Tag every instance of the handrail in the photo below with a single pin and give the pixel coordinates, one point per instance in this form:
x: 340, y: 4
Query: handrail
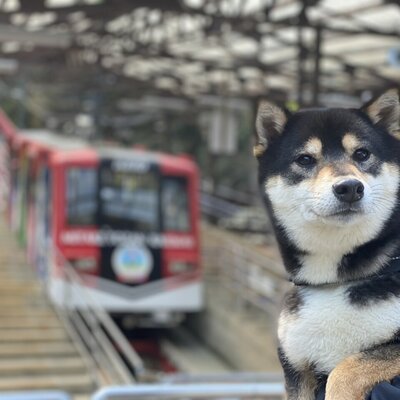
x: 97, y: 332
x: 35, y: 395
x: 193, y: 391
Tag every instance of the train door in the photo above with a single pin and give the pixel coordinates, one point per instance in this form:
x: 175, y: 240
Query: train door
x: 4, y: 173
x: 31, y: 202
x: 15, y: 195
x: 21, y: 186
x: 76, y: 211
x: 42, y: 227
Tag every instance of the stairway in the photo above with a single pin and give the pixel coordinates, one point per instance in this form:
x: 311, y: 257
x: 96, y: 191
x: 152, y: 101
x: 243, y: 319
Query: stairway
x: 36, y: 351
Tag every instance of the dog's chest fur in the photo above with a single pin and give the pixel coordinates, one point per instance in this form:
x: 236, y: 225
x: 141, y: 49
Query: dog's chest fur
x: 325, y: 328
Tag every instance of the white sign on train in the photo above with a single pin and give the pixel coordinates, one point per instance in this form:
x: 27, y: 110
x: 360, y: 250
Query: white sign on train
x: 131, y: 165
x: 113, y: 238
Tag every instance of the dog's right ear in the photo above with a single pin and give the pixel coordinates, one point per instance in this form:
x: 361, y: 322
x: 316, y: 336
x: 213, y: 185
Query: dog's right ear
x: 270, y: 122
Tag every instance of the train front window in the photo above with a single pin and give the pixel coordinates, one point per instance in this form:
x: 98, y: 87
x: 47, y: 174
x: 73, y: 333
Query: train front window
x: 129, y: 199
x: 81, y: 196
x: 175, y: 204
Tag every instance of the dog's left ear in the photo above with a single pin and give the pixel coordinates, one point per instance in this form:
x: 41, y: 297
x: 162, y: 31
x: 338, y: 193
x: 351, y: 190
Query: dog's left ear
x: 270, y: 122
x: 385, y: 111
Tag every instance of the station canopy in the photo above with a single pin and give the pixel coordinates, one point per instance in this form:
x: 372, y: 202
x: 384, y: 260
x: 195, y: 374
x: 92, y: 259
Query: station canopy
x: 246, y: 48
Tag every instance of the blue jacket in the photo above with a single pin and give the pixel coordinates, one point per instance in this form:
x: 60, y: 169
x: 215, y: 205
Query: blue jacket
x: 383, y: 391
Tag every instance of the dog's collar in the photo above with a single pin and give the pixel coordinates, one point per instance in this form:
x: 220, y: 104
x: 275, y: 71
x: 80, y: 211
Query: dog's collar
x: 391, y: 269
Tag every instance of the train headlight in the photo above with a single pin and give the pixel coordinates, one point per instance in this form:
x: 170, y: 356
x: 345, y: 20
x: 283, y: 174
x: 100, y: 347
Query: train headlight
x: 85, y: 264
x: 179, y: 267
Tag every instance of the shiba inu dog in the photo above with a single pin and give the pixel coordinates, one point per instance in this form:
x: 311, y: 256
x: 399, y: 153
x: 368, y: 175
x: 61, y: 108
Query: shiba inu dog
x: 330, y: 178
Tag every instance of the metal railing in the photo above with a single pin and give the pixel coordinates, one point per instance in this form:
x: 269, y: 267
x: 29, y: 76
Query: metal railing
x: 36, y: 395
x: 253, y: 277
x: 104, y: 347
x: 194, y: 391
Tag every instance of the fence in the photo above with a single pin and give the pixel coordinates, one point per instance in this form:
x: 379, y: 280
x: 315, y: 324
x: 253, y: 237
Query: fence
x: 268, y: 391
x: 106, y: 350
x: 194, y: 391
x: 36, y: 395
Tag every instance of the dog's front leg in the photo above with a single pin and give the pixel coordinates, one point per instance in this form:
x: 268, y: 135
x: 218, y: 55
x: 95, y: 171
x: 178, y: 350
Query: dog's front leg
x: 301, y: 384
x: 355, y: 377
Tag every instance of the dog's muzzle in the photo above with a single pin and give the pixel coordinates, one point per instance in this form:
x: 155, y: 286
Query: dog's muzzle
x: 348, y: 190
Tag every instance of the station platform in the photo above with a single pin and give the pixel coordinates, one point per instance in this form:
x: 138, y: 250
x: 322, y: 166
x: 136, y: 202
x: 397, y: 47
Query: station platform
x: 37, y: 351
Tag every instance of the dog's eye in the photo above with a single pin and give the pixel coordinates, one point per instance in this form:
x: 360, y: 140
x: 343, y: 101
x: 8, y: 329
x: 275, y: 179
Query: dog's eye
x: 361, y: 155
x: 305, y: 160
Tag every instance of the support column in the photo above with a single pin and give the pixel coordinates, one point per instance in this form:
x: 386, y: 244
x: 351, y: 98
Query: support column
x: 317, y: 67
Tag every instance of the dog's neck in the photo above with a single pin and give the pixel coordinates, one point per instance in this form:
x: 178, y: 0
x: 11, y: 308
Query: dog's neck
x: 328, y: 265
x: 386, y: 271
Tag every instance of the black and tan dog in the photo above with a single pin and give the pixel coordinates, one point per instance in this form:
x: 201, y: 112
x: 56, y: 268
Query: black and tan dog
x: 331, y: 183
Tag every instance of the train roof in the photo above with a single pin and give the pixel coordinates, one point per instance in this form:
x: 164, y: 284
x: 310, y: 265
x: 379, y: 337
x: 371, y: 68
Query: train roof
x: 66, y: 149
x: 167, y: 160
x: 51, y: 140
x: 171, y: 162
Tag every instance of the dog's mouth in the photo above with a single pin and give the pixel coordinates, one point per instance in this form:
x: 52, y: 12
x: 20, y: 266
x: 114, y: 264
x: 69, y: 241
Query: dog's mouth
x: 345, y: 212
x: 341, y: 213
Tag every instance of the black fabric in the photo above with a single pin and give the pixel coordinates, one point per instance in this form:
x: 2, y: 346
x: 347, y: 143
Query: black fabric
x: 383, y: 391
x: 386, y: 390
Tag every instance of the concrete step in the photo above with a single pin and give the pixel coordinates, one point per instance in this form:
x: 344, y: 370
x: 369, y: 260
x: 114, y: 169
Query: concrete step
x: 35, y: 366
x: 28, y: 301
x: 24, y: 312
x: 70, y: 383
x: 10, y: 279
x: 7, y: 288
x: 8, y: 263
x: 20, y: 273
x: 11, y: 322
x: 36, y: 352
x: 53, y: 349
x: 37, y: 335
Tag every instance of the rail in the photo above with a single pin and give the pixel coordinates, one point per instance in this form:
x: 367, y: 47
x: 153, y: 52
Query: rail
x: 194, y: 391
x: 106, y: 350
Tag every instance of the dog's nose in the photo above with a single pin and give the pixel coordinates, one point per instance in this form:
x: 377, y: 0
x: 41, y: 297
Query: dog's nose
x: 348, y: 190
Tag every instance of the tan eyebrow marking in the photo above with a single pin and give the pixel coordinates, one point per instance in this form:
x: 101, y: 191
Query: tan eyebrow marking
x: 326, y: 173
x: 350, y: 142
x: 313, y: 147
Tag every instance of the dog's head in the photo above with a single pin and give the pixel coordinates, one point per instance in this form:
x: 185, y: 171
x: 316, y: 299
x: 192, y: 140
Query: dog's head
x: 330, y: 176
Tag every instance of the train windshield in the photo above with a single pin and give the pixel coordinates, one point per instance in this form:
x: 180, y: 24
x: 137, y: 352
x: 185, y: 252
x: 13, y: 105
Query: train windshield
x: 141, y: 201
x: 130, y: 200
x: 175, y: 204
x: 81, y: 196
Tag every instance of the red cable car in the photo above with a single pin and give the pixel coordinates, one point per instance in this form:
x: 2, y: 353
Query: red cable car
x: 127, y: 220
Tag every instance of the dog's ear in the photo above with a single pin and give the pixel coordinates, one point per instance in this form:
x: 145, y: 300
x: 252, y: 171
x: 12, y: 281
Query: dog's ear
x: 385, y: 111
x: 270, y: 122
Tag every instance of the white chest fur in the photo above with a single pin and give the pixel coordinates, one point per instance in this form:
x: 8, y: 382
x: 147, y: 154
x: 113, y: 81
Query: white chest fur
x: 327, y: 328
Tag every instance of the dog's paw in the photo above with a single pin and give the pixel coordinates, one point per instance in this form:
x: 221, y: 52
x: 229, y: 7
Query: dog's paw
x: 347, y: 382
